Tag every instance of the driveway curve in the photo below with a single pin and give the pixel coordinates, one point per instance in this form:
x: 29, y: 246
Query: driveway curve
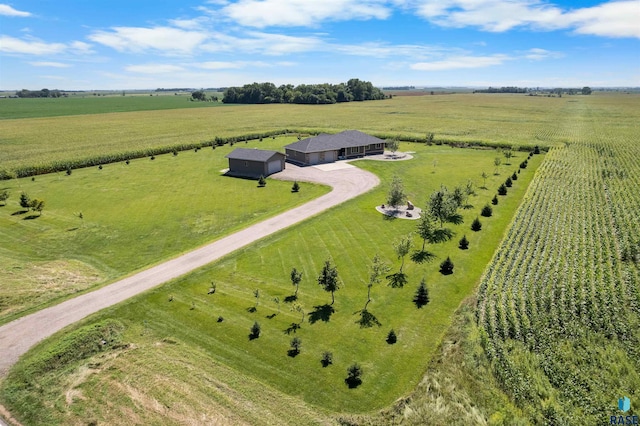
x: 18, y: 336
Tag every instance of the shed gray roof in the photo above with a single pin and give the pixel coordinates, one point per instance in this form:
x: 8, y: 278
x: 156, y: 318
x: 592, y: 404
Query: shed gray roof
x: 253, y: 154
x: 325, y: 142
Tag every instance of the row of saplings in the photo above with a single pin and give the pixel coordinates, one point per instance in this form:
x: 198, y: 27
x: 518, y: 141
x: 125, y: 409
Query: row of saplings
x: 329, y: 281
x: 26, y: 202
x: 442, y: 208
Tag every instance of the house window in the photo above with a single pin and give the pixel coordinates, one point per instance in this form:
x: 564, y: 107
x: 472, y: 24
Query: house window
x: 378, y: 145
x: 355, y: 149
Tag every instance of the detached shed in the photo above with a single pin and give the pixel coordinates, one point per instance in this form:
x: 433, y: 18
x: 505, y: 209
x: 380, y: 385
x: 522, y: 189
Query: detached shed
x: 255, y: 162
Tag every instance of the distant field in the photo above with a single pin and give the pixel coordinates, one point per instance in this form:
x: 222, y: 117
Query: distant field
x: 82, y: 104
x: 215, y: 367
x: 492, y: 119
x: 132, y: 216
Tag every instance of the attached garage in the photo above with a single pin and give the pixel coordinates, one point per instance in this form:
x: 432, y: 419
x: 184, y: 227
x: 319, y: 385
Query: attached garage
x: 254, y: 163
x: 326, y: 148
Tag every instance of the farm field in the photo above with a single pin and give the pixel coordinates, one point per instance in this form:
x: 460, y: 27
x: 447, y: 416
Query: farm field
x: 133, y: 216
x: 85, y: 103
x: 466, y: 118
x: 512, y: 356
x: 182, y: 338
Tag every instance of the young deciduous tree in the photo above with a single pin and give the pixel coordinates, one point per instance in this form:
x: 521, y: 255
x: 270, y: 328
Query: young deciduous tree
x: 496, y: 162
x: 296, y: 344
x: 425, y: 230
x: 377, y: 270
x: 37, y: 206
x: 4, y: 196
x: 396, y: 194
x: 328, y: 279
x: 296, y: 277
x: 507, y: 154
x: 484, y: 176
x: 392, y: 145
x: 327, y: 358
x: 402, y: 247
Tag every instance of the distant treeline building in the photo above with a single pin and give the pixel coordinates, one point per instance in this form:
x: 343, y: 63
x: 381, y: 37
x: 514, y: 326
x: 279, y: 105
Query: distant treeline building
x: 268, y: 93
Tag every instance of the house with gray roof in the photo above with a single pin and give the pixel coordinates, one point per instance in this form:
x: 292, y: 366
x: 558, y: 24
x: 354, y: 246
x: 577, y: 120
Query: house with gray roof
x: 254, y: 163
x: 326, y: 148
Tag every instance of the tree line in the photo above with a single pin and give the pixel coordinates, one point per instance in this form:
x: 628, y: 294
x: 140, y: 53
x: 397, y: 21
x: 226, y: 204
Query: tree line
x: 44, y: 93
x: 326, y: 93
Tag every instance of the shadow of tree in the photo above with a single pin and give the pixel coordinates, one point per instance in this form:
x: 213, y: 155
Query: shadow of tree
x: 422, y: 256
x: 353, y: 382
x: 367, y: 319
x: 272, y: 316
x: 31, y: 217
x: 290, y: 299
x: 252, y: 309
x: 397, y: 280
x: 292, y: 328
x: 321, y: 313
x: 293, y: 353
x: 19, y: 212
x: 253, y: 336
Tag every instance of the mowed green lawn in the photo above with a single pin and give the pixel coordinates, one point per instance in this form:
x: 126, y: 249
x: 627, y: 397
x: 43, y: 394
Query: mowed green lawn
x: 132, y: 216
x: 213, y: 369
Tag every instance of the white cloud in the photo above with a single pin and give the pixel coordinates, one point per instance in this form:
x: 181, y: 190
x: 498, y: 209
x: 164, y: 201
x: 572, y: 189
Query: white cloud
x: 537, y: 54
x: 169, y: 40
x: 303, y: 13
x: 49, y: 64
x: 262, y: 43
x: 154, y: 68
x: 30, y: 46
x: 612, y: 19
x: 461, y: 62
x: 6, y: 10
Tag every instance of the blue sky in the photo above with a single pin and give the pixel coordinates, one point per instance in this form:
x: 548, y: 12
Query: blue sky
x: 146, y: 44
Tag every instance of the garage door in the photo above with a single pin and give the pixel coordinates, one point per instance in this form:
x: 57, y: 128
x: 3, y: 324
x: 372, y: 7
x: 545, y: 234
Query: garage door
x: 274, y: 167
x: 329, y: 157
x: 314, y: 158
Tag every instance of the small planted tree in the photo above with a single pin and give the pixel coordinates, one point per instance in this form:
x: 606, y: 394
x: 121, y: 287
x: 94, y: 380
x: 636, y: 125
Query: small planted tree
x: 25, y: 201
x: 392, y: 337
x: 514, y: 176
x: 262, y: 182
x: 295, y: 187
x: 326, y: 359
x: 396, y: 195
x: 4, y: 196
x: 496, y: 162
x: 295, y: 345
x: 296, y: 277
x: 254, y: 331
x: 68, y: 171
x: 463, y: 244
x: 476, y: 225
x: 37, y: 206
x: 508, y: 183
x: 354, y: 376
x: 484, y: 176
x: 507, y: 154
x: 377, y: 270
x: 421, y: 298
x: 401, y: 248
x: 426, y: 231
x: 494, y: 200
x: 328, y: 279
x: 392, y: 145
x: 487, y: 211
x: 523, y: 165
x: 256, y: 294
x: 446, y: 267
x: 502, y: 189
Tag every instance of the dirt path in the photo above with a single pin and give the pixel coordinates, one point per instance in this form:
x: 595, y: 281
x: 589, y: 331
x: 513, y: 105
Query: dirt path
x: 18, y: 336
